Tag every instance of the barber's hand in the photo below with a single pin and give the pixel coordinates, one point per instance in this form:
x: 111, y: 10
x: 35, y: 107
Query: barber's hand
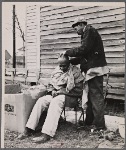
x: 54, y: 93
x: 63, y: 53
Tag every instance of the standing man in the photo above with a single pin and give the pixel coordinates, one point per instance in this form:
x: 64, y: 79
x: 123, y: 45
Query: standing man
x: 91, y: 57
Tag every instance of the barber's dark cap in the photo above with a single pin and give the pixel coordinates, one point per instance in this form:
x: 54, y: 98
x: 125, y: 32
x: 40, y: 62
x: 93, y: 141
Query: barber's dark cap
x: 79, y: 20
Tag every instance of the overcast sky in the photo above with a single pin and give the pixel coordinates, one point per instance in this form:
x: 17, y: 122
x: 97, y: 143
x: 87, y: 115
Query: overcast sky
x: 7, y: 25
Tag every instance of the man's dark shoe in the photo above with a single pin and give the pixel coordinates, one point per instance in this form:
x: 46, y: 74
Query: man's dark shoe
x: 42, y: 139
x: 28, y: 132
x: 22, y: 136
x: 93, y: 128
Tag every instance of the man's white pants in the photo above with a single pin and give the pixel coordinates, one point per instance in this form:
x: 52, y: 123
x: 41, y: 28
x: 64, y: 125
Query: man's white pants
x: 54, y: 106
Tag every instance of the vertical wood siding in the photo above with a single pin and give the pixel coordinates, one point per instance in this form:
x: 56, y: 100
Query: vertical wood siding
x: 57, y: 35
x: 32, y: 41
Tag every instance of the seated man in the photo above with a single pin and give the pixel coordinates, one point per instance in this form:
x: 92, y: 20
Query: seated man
x: 67, y: 83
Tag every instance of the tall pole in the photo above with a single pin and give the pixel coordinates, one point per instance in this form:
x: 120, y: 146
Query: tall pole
x: 22, y: 35
x: 24, y: 54
x: 14, y: 39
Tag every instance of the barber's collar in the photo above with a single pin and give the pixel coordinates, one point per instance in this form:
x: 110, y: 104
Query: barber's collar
x: 83, y: 31
x: 84, y: 28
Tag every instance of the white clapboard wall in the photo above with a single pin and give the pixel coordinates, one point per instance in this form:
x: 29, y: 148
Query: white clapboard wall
x: 32, y: 41
x: 57, y: 35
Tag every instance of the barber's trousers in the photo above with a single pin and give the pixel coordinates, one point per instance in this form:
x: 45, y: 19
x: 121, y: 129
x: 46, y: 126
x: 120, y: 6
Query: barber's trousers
x: 54, y: 106
x: 95, y: 109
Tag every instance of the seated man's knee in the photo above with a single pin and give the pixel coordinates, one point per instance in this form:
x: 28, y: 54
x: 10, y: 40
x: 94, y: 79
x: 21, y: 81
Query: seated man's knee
x: 58, y: 100
x: 45, y: 100
x: 40, y: 100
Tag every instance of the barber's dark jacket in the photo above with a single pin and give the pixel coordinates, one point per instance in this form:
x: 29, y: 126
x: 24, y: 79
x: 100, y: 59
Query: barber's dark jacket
x: 91, y: 52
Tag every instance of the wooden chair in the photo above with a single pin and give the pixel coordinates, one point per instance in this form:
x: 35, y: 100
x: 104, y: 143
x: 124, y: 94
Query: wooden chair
x: 77, y: 108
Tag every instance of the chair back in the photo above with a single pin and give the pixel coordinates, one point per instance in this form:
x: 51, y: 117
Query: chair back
x: 71, y: 102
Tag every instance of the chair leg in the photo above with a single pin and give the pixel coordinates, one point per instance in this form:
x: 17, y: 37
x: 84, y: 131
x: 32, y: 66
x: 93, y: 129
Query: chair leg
x: 64, y: 114
x: 83, y: 116
x: 80, y: 116
x: 76, y: 118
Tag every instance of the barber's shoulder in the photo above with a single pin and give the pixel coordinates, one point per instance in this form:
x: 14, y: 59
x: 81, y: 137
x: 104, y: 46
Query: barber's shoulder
x: 89, y: 27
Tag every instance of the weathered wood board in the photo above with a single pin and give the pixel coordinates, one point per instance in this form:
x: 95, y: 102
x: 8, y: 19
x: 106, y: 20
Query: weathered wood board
x: 57, y: 35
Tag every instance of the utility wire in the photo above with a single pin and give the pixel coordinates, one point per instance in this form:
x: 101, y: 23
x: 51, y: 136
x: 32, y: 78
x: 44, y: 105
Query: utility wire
x: 22, y: 33
x: 18, y: 34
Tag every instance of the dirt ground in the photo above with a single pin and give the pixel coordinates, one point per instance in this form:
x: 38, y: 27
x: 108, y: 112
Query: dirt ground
x: 68, y: 137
